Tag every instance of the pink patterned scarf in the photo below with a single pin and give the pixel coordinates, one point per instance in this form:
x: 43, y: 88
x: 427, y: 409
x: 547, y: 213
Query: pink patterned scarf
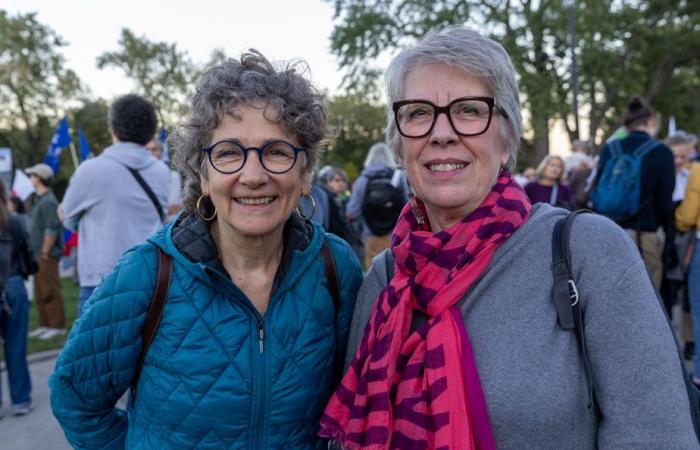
x: 421, y: 390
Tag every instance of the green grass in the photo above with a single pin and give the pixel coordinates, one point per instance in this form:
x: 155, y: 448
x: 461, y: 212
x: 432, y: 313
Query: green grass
x: 70, y: 306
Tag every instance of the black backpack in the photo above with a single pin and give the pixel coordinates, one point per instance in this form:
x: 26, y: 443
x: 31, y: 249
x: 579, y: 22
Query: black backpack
x: 5, y: 261
x: 382, y: 202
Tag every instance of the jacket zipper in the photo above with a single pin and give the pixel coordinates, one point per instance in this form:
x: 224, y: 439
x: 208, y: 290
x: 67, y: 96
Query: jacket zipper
x: 261, y: 336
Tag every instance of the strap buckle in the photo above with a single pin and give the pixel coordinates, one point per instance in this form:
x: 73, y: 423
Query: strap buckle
x: 573, y: 293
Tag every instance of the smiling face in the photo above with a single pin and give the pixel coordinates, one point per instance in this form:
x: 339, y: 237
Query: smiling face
x: 451, y: 174
x: 253, y: 202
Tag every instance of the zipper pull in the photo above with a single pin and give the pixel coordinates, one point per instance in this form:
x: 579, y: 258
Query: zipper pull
x: 261, y: 336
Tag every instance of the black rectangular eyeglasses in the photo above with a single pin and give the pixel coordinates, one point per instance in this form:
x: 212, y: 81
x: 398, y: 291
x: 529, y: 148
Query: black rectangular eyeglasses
x: 468, y: 116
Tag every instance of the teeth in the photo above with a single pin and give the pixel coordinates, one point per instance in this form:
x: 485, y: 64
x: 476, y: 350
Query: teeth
x: 255, y: 201
x: 445, y: 167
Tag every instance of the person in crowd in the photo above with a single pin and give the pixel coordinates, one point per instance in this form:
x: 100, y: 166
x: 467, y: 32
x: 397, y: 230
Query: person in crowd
x: 155, y: 146
x: 16, y: 205
x: 46, y: 241
x: 14, y: 316
x: 460, y: 348
x: 641, y: 211
x: 549, y: 187
x: 335, y: 180
x: 579, y: 166
x: 326, y: 211
x: 119, y: 198
x: 526, y: 176
x: 687, y: 219
x: 251, y: 341
x: 678, y: 245
x: 378, y: 195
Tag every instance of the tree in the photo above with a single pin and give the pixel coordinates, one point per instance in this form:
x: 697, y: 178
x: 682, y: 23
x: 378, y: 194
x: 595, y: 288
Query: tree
x: 625, y: 48
x: 161, y: 72
x: 356, y: 124
x: 35, y: 86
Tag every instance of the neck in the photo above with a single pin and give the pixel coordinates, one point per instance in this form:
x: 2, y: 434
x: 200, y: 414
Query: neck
x: 547, y: 182
x: 41, y: 190
x: 240, y: 254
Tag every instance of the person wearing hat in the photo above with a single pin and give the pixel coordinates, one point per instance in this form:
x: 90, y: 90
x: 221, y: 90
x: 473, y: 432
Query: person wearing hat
x: 46, y: 240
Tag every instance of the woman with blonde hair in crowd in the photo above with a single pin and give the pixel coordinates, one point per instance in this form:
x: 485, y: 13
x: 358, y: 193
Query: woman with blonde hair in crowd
x: 549, y: 187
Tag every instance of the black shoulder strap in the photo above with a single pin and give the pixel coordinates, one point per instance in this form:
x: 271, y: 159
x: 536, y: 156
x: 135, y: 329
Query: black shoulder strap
x: 566, y: 298
x: 331, y: 275
x: 154, y: 313
x: 148, y: 191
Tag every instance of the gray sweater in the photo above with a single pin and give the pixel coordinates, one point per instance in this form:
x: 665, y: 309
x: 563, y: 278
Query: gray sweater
x: 110, y: 210
x: 530, y: 369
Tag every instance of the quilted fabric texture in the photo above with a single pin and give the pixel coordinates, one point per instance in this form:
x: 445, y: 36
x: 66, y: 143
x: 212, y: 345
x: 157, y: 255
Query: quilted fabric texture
x: 208, y: 381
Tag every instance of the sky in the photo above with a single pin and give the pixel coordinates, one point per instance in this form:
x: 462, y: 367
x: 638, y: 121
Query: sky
x: 280, y: 29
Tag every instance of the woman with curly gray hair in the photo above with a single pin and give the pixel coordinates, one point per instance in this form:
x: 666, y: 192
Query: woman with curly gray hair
x: 254, y: 328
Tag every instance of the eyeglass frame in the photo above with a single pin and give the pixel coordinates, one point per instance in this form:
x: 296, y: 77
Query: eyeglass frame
x: 259, y: 151
x: 490, y: 101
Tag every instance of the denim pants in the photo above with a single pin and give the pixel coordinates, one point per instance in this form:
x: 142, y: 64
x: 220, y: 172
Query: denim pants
x: 694, y: 302
x: 85, y: 293
x: 14, y: 332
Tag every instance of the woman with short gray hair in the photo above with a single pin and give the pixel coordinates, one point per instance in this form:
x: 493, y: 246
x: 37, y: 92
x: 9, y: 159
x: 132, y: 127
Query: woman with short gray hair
x: 463, y: 336
x: 249, y: 345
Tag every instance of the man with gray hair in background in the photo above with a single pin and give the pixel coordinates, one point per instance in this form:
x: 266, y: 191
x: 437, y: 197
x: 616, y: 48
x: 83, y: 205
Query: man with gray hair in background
x: 118, y: 199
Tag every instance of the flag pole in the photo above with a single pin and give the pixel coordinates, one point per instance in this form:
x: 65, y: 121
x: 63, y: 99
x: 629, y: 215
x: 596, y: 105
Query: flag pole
x: 74, y: 155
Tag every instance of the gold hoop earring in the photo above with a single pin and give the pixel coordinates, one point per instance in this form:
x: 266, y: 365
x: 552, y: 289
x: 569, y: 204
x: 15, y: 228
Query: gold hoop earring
x: 199, y: 210
x: 313, y: 208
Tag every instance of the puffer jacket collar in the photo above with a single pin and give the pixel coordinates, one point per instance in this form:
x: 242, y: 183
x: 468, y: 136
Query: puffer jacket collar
x: 189, y: 237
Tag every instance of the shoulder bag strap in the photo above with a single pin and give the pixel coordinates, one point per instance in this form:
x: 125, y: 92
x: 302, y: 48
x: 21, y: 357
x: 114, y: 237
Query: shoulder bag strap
x: 147, y: 189
x: 154, y: 313
x: 331, y: 275
x: 566, y: 297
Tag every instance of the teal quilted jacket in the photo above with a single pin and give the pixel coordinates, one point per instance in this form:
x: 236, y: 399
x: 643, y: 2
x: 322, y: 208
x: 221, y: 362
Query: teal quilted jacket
x: 218, y: 375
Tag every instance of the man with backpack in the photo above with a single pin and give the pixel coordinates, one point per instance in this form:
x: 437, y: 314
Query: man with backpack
x: 635, y: 182
x: 378, y: 195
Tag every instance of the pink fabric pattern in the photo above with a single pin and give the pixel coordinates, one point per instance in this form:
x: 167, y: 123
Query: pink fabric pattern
x: 421, y: 390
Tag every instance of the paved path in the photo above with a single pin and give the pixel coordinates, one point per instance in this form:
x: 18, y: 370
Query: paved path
x: 38, y: 430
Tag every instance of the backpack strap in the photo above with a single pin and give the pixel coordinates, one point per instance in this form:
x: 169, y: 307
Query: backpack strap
x: 149, y: 192
x: 615, y: 148
x: 645, y: 148
x: 154, y: 313
x: 566, y: 296
x: 331, y: 275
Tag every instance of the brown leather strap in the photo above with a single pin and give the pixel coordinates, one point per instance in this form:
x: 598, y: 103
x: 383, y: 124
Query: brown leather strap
x: 331, y: 275
x: 154, y: 313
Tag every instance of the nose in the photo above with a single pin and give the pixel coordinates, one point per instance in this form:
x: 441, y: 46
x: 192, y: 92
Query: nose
x: 253, y: 174
x: 443, y: 133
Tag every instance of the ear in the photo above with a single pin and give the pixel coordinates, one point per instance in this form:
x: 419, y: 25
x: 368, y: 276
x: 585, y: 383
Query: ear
x: 204, y: 185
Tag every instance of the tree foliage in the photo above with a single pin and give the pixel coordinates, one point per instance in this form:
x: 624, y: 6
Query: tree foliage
x: 35, y: 86
x: 160, y: 72
x: 624, y: 48
x: 356, y: 124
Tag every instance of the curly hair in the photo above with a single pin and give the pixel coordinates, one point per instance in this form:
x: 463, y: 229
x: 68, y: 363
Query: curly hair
x: 132, y: 118
x: 289, y: 98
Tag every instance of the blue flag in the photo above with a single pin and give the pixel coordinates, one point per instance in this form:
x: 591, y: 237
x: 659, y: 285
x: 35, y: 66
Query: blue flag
x: 162, y: 138
x: 60, y: 140
x: 85, y: 149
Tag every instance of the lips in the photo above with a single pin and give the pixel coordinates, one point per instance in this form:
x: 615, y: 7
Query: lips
x: 254, y: 201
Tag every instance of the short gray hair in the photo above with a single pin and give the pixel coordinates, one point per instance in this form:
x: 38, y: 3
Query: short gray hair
x: 469, y: 51
x: 380, y: 153
x: 289, y: 99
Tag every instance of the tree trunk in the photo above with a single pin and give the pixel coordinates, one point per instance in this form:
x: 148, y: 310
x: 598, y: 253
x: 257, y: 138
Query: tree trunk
x: 540, y: 143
